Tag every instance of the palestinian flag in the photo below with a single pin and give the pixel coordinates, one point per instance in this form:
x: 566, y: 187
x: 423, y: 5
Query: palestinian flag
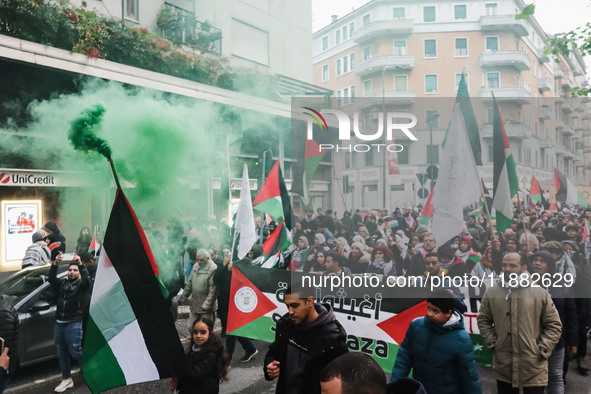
x: 273, y: 197
x: 553, y: 208
x: 276, y: 243
x: 305, y: 169
x: 257, y: 301
x: 427, y: 213
x: 392, y: 224
x: 92, y: 246
x: 463, y: 98
x: 586, y: 231
x: 566, y: 191
x: 535, y: 193
x: 505, y: 181
x: 130, y: 336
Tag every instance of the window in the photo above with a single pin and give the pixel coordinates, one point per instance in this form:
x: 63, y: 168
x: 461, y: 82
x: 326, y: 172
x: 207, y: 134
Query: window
x: 366, y: 53
x: 491, y: 9
x: 352, y: 60
x: 338, y: 67
x: 324, y: 43
x: 403, y: 155
x: 344, y: 33
x: 367, y: 87
x: 431, y: 83
x: 366, y: 20
x: 132, y: 9
x: 460, y: 11
x: 338, y: 37
x: 353, y: 91
x: 431, y: 114
x: 369, y: 159
x: 345, y: 64
x: 429, y: 14
x: 400, y: 48
x: 459, y: 78
x: 347, y: 161
x: 325, y: 73
x: 431, y: 48
x: 461, y: 47
x: 399, y: 13
x: 433, y: 154
x: 493, y: 80
x: 351, y: 28
x: 492, y: 44
x: 400, y: 83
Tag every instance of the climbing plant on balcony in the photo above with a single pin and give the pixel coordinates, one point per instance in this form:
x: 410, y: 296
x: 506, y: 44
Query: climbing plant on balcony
x: 61, y: 25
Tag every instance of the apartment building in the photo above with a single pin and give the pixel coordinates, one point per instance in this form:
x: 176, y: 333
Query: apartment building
x: 413, y: 53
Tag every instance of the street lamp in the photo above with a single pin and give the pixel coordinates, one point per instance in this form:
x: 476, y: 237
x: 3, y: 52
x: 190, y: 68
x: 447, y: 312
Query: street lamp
x: 430, y: 119
x: 385, y: 159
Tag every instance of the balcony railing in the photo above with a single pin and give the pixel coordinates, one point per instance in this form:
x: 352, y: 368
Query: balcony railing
x: 513, y: 130
x: 389, y: 27
x: 377, y: 64
x: 516, y: 59
x: 502, y: 23
x: 545, y: 113
x: 202, y: 35
x: 516, y: 95
x: 544, y: 84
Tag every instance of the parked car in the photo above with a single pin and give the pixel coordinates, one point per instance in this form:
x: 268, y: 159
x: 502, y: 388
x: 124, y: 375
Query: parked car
x: 34, y: 300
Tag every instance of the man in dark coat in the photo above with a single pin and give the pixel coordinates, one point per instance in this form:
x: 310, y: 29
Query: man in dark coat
x: 307, y: 338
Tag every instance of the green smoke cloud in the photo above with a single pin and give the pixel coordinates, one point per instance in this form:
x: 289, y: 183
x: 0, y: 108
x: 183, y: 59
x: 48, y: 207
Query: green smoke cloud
x: 82, y: 133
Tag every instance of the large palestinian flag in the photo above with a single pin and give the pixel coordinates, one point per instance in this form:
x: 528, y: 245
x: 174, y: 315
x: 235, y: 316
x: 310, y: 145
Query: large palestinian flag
x: 566, y: 191
x: 505, y: 182
x: 276, y: 243
x: 375, y: 322
x: 130, y: 336
x: 273, y: 198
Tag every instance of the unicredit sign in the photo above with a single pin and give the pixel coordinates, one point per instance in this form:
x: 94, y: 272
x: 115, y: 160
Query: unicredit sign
x: 12, y: 177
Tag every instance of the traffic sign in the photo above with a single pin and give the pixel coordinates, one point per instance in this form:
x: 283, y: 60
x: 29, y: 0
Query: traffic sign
x: 422, y: 178
x: 432, y: 172
x: 423, y: 193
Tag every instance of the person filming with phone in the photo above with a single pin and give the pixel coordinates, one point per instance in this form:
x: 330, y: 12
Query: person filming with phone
x: 70, y: 291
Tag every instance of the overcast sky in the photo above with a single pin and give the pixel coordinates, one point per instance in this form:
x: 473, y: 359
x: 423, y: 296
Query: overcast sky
x: 553, y: 15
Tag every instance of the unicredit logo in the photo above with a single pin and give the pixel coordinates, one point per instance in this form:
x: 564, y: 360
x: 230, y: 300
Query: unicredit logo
x: 4, y: 178
x: 27, y: 179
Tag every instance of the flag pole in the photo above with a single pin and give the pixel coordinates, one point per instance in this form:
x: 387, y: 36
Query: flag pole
x: 229, y: 181
x: 114, y: 173
x: 233, y: 244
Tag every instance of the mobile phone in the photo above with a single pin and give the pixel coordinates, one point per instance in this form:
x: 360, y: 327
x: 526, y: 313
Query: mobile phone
x: 1, y: 345
x: 68, y: 256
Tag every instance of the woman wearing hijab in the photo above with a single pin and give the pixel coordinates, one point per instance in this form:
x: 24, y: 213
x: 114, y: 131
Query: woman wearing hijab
x: 342, y: 247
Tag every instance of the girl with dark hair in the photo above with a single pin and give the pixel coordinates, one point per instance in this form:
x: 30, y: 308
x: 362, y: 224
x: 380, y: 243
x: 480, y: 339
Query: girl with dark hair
x: 208, y: 362
x: 84, y: 240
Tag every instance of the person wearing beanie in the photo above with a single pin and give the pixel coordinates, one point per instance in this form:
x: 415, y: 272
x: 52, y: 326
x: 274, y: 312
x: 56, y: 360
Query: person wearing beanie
x: 564, y: 264
x: 543, y: 264
x: 51, y: 229
x: 37, y: 253
x: 358, y: 260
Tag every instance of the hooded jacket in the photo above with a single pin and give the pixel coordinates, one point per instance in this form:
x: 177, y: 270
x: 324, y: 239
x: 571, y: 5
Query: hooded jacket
x: 441, y: 356
x: 303, y: 352
x: 521, y: 326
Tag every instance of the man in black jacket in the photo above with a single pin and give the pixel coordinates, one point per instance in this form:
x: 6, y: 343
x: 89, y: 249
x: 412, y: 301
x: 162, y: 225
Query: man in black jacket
x: 307, y: 338
x: 68, y: 315
x: 9, y: 332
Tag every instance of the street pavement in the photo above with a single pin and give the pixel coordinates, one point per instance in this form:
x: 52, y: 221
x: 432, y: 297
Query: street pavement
x: 244, y: 378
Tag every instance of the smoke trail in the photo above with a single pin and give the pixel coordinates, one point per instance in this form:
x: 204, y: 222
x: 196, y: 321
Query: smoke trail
x: 82, y: 134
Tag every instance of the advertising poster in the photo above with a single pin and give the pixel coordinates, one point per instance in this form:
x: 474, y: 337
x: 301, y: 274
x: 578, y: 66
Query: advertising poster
x: 20, y: 219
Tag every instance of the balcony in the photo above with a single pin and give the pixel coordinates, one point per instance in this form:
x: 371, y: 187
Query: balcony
x: 558, y: 73
x: 567, y: 83
x: 502, y: 23
x: 545, y: 143
x: 559, y: 124
x: 377, y: 64
x: 514, y: 95
x: 567, y: 107
x: 513, y: 130
x: 544, y: 85
x: 567, y: 130
x: 391, y: 99
x: 542, y: 57
x: 388, y: 27
x: 544, y: 113
x: 516, y: 59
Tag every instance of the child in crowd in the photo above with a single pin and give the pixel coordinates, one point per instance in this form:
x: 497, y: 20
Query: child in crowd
x: 439, y: 350
x: 207, y: 359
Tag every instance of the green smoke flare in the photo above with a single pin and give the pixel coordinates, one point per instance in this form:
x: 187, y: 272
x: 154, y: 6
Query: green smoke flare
x: 82, y: 134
